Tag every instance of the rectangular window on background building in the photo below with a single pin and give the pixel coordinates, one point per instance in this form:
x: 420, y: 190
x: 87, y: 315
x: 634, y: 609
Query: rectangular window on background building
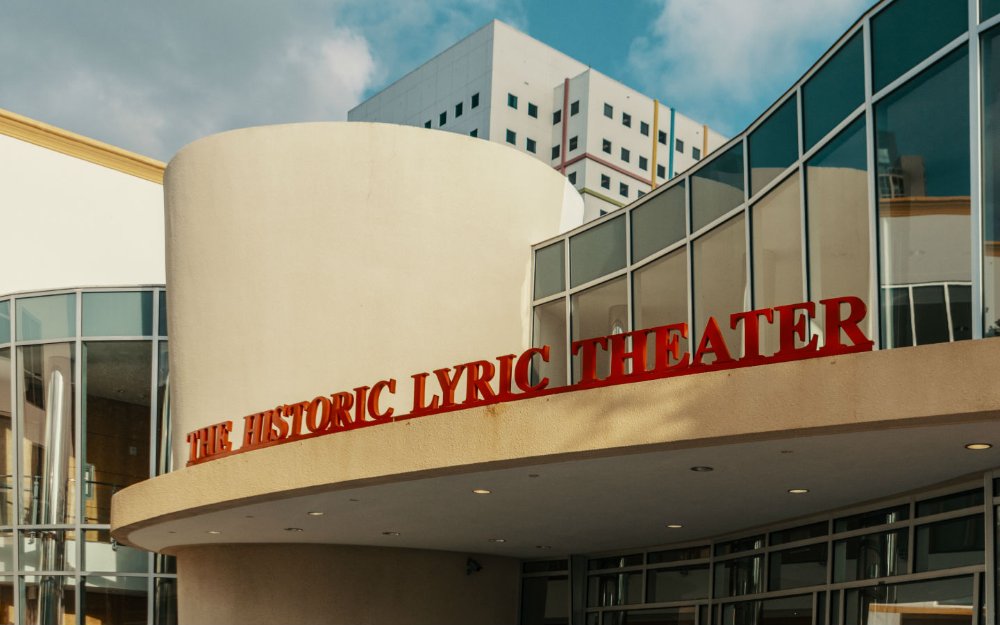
x: 512, y: 100
x: 511, y: 137
x: 529, y: 145
x: 574, y: 108
x: 532, y: 110
x: 609, y: 111
x: 574, y: 143
x: 443, y: 118
x: 458, y: 110
x: 626, y: 120
x: 623, y: 189
x: 475, y: 100
x: 644, y: 129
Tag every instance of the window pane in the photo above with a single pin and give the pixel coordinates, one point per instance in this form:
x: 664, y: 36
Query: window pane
x: 597, y: 252
x: 101, y: 554
x: 950, y: 544
x: 951, y: 598
x: 5, y: 321
x: 870, y: 557
x: 614, y: 589
x: 871, y: 519
x: 834, y: 91
x: 48, y: 550
x: 7, y: 614
x: 988, y: 8
x: 48, y: 457
x: 163, y: 313
x: 116, y: 413
x: 162, y: 431
x: 47, y: 599
x: 550, y: 267
x: 545, y: 601
x: 795, y: 568
x: 678, y: 555
x: 599, y: 311
x: 777, y: 254
x: 748, y: 543
x: 897, y: 317
x: 615, y: 562
x: 908, y: 31
x: 656, y: 616
x: 165, y: 601
x: 787, y: 611
x: 550, y: 329
x: 114, y: 599
x: 947, y: 503
x: 923, y: 172
x: 803, y: 532
x: 717, y: 188
x: 50, y: 317
x: 690, y: 582
x: 774, y: 145
x: 742, y: 576
x: 660, y: 293
x: 838, y: 220
x: 118, y: 314
x: 7, y: 547
x: 720, y: 278
x: 960, y: 303
x: 930, y: 315
x: 7, y: 440
x: 658, y: 223
x: 166, y: 564
x: 991, y: 179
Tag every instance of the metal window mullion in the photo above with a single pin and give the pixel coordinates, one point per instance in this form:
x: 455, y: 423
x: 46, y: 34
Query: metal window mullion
x: 947, y: 312
x: 975, y: 173
x: 918, y: 69
x: 990, y: 527
x: 913, y: 315
x: 803, y: 215
x: 568, y: 314
x: 748, y: 293
x: 689, y: 252
x: 18, y: 479
x: 80, y: 457
x: 874, y: 308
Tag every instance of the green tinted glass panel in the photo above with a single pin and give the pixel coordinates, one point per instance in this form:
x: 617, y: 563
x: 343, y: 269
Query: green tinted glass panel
x: 948, y: 503
x: 834, y: 91
x: 163, y: 313
x: 991, y: 180
x: 988, y: 8
x: 597, y: 252
x: 118, y: 314
x: 49, y: 317
x: 950, y: 544
x: 908, y: 31
x: 550, y: 268
x: 774, y: 145
x: 717, y: 188
x: 658, y: 223
x: 5, y: 322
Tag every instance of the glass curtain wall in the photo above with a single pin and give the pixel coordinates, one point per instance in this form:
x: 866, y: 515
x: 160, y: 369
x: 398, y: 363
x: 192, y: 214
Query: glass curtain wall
x: 862, y: 180
x: 83, y: 406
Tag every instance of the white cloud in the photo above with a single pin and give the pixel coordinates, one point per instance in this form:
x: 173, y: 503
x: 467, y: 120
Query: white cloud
x: 708, y: 57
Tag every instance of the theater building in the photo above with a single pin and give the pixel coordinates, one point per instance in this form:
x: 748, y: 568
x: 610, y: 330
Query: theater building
x: 407, y: 386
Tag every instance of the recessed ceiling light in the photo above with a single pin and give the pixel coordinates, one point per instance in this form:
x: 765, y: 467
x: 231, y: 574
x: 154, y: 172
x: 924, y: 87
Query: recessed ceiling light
x: 978, y: 446
x: 674, y: 526
x: 390, y: 533
x: 293, y: 529
x: 482, y: 491
x: 798, y: 491
x: 214, y: 532
x: 315, y: 513
x: 498, y: 540
x: 702, y: 469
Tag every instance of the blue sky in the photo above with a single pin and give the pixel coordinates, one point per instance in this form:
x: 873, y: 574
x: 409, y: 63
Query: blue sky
x: 152, y: 77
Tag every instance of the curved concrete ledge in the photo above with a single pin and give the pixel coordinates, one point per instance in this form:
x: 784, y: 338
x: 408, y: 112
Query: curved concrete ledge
x: 861, y: 392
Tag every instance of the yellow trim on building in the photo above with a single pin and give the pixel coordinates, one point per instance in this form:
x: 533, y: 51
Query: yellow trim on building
x: 656, y: 131
x: 78, y: 146
x: 601, y: 196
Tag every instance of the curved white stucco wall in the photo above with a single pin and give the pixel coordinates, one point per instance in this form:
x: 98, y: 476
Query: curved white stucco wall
x: 75, y: 223
x: 313, y: 258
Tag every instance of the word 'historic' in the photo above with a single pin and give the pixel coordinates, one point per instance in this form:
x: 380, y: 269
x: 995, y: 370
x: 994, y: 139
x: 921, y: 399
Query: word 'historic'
x: 629, y: 357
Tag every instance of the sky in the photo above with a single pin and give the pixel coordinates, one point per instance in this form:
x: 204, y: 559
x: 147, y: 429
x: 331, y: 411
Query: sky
x: 153, y: 76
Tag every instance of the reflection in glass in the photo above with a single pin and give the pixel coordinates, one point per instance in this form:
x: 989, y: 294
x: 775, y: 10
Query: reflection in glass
x: 952, y: 501
x: 991, y: 176
x: 7, y: 547
x: 777, y: 254
x: 116, y: 413
x: 7, y: 441
x: 47, y: 599
x: 803, y: 532
x: 930, y: 314
x: 599, y: 311
x: 951, y: 599
x: 5, y: 321
x: 838, y: 221
x: 797, y: 567
x: 949, y: 544
x: 101, y: 553
x: 118, y: 313
x: 163, y: 314
x: 988, y: 8
x: 49, y: 317
x: 165, y: 601
x: 550, y: 329
x: 678, y: 555
x: 960, y: 307
x: 784, y: 611
x: 873, y: 518
x: 550, y: 267
x: 7, y: 614
x: 774, y: 145
x: 660, y: 293
x: 870, y: 557
x: 48, y: 458
x: 923, y: 184
x: 114, y: 599
x: 677, y: 584
x: 908, y: 31
x: 720, y: 279
x: 742, y: 576
x: 656, y: 616
x: 614, y: 589
x: 163, y: 563
x: 597, y: 252
x: 545, y: 601
x: 164, y: 461
x: 39, y: 549
x: 614, y: 562
x: 834, y: 91
x: 658, y: 223
x: 717, y: 188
